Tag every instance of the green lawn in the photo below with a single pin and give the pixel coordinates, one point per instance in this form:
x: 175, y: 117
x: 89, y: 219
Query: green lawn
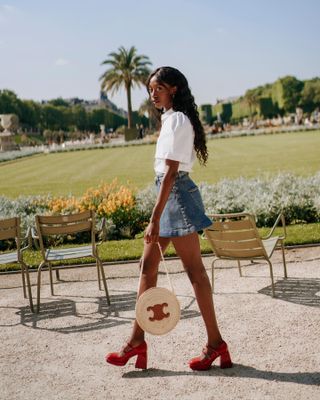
x: 74, y: 172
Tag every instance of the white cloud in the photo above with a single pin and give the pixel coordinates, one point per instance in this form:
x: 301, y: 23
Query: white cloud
x: 220, y: 30
x: 6, y: 11
x: 60, y: 62
x: 7, y: 7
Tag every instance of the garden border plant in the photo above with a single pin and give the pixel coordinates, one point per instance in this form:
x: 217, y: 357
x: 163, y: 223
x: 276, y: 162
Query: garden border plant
x: 127, y: 212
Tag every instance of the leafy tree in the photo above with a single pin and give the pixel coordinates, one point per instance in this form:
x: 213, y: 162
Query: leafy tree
x: 48, y: 135
x: 310, y: 95
x: 55, y: 115
x: 9, y: 102
x: 252, y: 99
x: 127, y: 69
x: 30, y: 114
x: 51, y: 117
x: 59, y: 102
x: 79, y: 118
x: 291, y: 92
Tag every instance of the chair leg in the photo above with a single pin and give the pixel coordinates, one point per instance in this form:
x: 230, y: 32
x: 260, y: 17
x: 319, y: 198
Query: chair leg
x: 58, y: 275
x: 104, y: 280
x: 51, y: 279
x: 39, y: 285
x: 23, y: 279
x: 272, y: 281
x: 98, y: 272
x: 284, y: 260
x: 239, y: 267
x: 28, y: 285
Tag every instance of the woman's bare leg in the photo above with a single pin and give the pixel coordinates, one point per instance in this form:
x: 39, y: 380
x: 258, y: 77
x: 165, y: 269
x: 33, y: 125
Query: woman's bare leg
x: 188, y: 249
x: 149, y: 277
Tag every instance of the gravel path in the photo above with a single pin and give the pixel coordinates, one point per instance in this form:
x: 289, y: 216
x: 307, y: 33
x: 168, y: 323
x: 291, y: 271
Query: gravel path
x: 59, y: 354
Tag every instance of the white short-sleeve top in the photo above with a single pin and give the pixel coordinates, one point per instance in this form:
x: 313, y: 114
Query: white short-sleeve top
x: 175, y: 142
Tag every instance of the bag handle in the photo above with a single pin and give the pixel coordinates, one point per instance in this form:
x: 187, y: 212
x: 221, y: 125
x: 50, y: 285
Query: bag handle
x: 165, y: 267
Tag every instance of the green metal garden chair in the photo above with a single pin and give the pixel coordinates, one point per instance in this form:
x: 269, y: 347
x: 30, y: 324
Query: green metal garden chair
x: 236, y: 237
x: 10, y: 229
x: 65, y: 225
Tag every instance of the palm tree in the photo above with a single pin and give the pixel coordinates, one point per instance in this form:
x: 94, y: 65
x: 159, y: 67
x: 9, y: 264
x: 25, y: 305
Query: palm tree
x: 127, y: 69
x: 148, y: 108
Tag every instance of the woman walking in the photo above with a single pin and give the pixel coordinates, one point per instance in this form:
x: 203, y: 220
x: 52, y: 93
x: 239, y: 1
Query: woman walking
x: 178, y: 213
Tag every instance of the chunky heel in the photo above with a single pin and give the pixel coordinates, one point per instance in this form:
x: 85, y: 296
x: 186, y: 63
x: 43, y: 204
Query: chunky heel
x: 120, y: 359
x: 209, y: 354
x: 141, y: 361
x: 225, y: 360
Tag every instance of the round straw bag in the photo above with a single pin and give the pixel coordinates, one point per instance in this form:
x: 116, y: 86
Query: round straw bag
x: 158, y: 309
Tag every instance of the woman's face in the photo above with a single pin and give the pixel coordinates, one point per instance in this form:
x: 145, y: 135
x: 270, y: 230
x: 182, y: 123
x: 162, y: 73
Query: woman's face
x: 161, y: 94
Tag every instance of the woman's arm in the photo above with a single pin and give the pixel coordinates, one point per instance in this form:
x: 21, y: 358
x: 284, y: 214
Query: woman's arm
x: 152, y: 232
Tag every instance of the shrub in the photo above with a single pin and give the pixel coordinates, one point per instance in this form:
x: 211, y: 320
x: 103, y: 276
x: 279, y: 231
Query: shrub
x: 114, y: 202
x: 24, y: 206
x: 298, y: 197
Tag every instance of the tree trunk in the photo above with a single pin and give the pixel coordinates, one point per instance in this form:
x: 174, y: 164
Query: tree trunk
x: 128, y: 89
x: 250, y: 111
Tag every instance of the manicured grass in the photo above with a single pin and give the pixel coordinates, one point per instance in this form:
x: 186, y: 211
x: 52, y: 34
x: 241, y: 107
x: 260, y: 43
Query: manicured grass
x: 132, y: 249
x: 74, y: 172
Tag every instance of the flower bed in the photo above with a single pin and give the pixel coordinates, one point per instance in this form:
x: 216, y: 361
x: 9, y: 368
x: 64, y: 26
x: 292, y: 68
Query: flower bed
x: 127, y: 213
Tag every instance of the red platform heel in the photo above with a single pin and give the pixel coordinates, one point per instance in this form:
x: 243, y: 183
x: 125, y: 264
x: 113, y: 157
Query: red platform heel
x: 126, y: 353
x: 205, y: 361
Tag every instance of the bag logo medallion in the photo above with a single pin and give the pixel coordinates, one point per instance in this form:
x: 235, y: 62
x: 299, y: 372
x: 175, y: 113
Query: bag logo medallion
x: 158, y: 313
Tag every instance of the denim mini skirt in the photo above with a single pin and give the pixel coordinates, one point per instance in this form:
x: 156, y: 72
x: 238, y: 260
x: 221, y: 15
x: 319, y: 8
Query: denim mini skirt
x: 184, y: 212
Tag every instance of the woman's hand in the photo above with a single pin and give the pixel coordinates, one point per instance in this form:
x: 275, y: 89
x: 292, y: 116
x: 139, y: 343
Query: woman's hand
x: 151, y: 234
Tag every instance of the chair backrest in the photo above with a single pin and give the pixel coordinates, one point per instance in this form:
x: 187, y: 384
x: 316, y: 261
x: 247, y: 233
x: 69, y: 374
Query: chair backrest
x: 51, y: 225
x: 235, y: 236
x: 10, y: 229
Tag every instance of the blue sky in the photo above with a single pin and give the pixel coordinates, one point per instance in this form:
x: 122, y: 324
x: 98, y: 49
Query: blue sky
x: 55, y: 48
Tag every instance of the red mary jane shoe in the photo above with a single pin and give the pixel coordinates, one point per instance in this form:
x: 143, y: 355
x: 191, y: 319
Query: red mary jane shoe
x: 209, y: 354
x: 126, y: 353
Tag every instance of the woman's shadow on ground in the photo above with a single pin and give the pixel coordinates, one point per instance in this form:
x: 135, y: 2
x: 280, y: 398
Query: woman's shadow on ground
x: 237, y: 371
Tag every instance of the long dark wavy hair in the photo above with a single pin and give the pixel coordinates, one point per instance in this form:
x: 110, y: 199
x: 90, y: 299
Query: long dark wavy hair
x: 183, y: 101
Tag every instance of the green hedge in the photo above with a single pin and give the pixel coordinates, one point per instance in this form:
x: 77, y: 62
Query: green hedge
x: 224, y: 110
x: 205, y: 113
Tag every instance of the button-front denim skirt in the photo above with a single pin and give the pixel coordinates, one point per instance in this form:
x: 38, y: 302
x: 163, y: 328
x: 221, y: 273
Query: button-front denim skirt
x: 184, y: 212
